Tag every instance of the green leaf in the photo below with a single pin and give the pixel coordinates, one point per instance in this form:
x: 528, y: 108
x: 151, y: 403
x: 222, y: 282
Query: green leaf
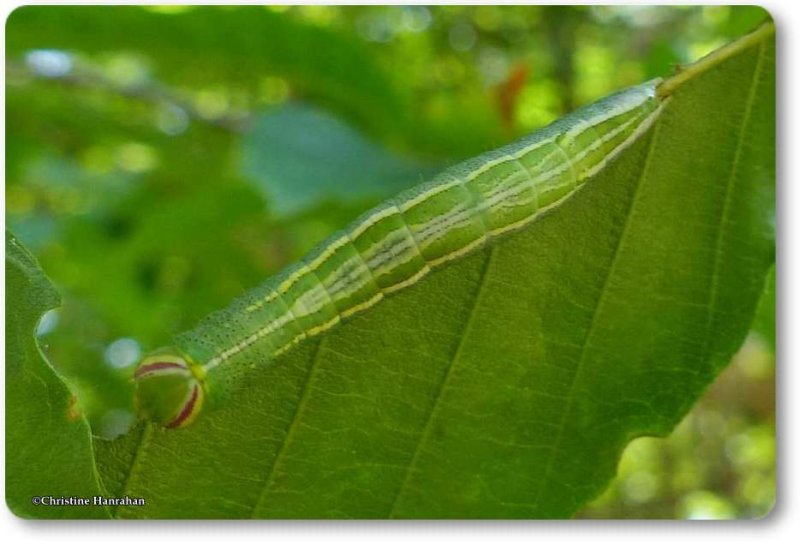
x: 506, y: 384
x: 299, y: 156
x: 764, y: 322
x: 48, y: 446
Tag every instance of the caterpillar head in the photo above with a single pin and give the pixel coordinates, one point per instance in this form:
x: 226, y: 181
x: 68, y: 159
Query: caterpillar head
x: 169, y: 390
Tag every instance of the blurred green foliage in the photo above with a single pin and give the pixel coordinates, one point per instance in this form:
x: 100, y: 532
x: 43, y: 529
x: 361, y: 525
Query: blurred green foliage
x: 140, y: 172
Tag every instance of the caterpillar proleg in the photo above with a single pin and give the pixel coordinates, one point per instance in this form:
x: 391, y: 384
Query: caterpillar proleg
x: 388, y: 249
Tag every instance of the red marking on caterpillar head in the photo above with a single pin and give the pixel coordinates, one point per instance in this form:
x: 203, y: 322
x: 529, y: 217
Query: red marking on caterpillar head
x: 154, y: 368
x: 188, y: 410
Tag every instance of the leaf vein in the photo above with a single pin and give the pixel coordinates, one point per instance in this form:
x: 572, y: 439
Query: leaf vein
x: 423, y: 436
x: 714, y: 291
x: 600, y: 301
x: 293, y: 423
x: 146, y: 435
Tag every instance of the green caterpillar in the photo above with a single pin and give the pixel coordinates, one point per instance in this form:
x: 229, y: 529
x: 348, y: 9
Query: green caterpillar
x: 389, y: 248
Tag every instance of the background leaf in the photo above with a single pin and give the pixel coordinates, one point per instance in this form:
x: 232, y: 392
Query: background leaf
x: 51, y: 452
x: 508, y: 383
x: 299, y: 156
x: 241, y: 47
